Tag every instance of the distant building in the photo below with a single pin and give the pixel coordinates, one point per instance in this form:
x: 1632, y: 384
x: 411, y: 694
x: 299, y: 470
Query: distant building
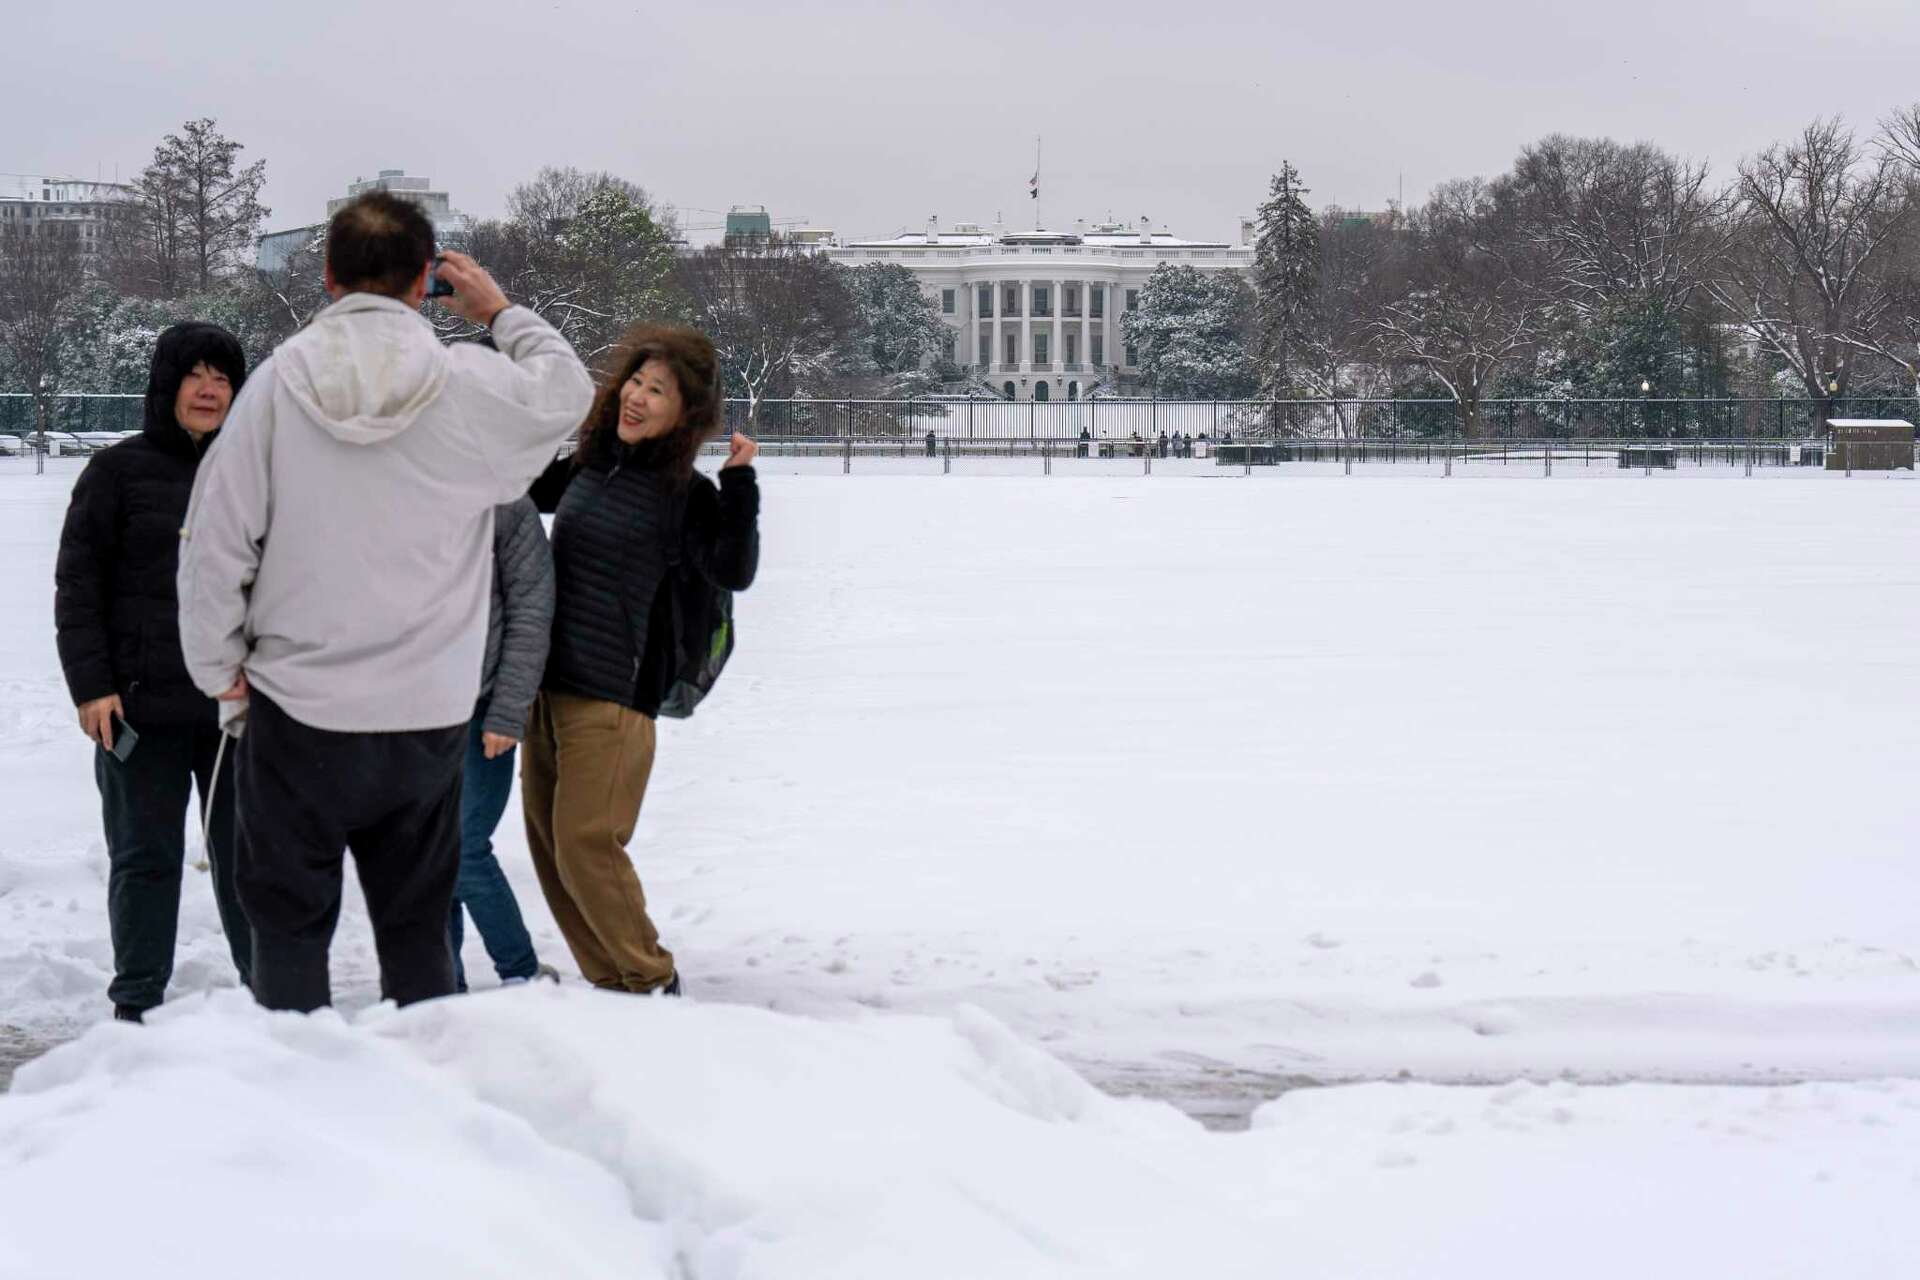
x: 1036, y: 314
x: 274, y: 248
x: 80, y: 207
x: 1385, y: 219
x: 746, y: 222
x: 812, y: 237
x: 271, y: 251
x: 438, y: 205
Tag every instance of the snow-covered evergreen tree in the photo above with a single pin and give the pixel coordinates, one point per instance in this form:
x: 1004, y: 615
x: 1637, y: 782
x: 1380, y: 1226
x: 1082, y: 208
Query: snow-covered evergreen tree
x: 1286, y: 261
x: 1191, y: 333
x: 900, y: 331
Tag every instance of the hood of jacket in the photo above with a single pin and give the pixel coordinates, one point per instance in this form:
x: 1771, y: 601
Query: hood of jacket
x: 175, y: 353
x: 365, y: 368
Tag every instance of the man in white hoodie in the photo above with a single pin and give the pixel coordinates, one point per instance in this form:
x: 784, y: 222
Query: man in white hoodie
x: 334, y: 584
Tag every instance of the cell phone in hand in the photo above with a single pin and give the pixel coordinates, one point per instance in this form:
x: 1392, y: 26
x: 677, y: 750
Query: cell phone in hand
x: 436, y: 287
x: 124, y: 739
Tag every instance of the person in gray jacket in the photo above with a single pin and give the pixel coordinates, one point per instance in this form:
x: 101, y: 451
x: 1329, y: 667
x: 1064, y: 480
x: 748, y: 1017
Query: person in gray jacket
x: 519, y: 626
x: 334, y: 576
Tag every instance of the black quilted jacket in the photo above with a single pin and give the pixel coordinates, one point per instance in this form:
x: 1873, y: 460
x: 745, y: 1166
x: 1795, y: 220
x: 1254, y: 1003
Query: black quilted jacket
x: 612, y: 518
x: 116, y: 614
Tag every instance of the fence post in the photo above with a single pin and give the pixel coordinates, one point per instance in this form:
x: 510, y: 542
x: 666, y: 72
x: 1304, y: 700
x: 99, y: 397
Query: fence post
x: 1147, y: 453
x: 1030, y: 412
x: 1046, y: 458
x: 1846, y: 456
x: 1549, y: 468
x: 946, y: 461
x: 1346, y: 448
x: 1447, y: 453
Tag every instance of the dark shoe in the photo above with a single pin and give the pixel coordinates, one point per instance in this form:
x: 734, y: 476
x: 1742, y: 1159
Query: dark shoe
x: 672, y: 988
x: 127, y: 1013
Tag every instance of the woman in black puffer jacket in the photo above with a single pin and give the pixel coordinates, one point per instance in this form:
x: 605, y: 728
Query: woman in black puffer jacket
x: 629, y: 493
x: 117, y: 619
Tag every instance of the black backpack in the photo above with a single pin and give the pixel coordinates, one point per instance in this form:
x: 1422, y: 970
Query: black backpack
x: 702, y: 627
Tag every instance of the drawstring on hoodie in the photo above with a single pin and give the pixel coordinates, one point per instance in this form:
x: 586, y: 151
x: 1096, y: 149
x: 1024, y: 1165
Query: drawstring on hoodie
x: 206, y: 810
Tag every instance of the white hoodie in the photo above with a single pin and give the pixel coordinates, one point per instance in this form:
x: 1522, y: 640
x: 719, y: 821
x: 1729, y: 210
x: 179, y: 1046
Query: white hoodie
x: 339, y: 543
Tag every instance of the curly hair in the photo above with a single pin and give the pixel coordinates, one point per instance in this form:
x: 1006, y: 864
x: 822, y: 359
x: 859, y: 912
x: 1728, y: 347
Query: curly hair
x: 696, y: 371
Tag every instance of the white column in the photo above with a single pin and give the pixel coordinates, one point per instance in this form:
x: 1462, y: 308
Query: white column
x: 1086, y: 330
x: 1057, y: 348
x: 1026, y: 327
x: 999, y: 313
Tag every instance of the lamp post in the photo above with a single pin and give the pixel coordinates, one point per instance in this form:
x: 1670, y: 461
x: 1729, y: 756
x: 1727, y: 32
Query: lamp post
x: 40, y: 447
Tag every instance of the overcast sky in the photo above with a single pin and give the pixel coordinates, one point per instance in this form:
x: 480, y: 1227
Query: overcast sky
x: 870, y: 117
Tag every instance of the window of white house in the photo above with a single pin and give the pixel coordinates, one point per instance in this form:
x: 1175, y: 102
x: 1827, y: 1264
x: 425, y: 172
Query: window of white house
x: 1133, y: 303
x: 985, y: 300
x: 1012, y: 345
x: 1039, y: 348
x: 1133, y: 360
x: 1098, y: 350
x: 1041, y: 300
x: 1096, y: 304
x: 1010, y: 300
x: 946, y: 302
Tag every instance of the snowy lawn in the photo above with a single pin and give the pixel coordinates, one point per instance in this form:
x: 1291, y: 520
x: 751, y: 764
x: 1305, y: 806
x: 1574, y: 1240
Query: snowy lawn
x: 1205, y: 786
x: 1208, y: 785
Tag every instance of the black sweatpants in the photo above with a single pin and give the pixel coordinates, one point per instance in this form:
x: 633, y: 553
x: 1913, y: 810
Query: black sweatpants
x: 306, y: 797
x: 144, y: 804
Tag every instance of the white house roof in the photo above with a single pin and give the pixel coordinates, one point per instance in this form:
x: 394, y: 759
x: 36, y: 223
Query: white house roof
x: 979, y: 240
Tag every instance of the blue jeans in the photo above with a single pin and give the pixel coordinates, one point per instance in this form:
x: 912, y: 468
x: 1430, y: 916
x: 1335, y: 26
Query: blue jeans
x: 482, y: 887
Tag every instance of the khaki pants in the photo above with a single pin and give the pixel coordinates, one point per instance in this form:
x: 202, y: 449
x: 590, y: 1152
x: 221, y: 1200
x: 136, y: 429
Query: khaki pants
x: 583, y: 773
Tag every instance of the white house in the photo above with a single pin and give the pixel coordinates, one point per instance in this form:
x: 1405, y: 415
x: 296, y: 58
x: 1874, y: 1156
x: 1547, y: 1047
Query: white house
x: 1036, y: 314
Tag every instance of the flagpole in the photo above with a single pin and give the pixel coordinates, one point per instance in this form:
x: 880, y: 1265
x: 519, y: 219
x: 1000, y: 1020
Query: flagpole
x: 1036, y: 182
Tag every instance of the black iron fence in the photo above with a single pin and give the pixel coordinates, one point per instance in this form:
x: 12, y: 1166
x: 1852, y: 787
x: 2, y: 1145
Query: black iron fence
x: 951, y: 455
x: 1778, y: 418
x: 20, y: 413
x: 1123, y: 419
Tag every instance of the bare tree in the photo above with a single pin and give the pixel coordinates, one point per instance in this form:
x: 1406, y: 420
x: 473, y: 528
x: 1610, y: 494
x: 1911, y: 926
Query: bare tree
x: 1338, y: 352
x: 780, y: 316
x: 195, y: 215
x: 41, y: 275
x: 1612, y: 223
x: 591, y: 252
x: 1895, y: 336
x: 1470, y: 307
x: 1817, y: 221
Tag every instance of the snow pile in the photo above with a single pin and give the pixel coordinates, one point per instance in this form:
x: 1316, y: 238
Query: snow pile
x: 560, y: 1132
x: 564, y: 1132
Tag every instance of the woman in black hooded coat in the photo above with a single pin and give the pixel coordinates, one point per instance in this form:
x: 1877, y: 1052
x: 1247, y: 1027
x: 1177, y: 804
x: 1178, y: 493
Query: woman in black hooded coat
x: 117, y: 622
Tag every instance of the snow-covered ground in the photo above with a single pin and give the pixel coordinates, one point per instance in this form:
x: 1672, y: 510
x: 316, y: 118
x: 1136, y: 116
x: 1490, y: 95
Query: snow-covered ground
x: 1202, y: 785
